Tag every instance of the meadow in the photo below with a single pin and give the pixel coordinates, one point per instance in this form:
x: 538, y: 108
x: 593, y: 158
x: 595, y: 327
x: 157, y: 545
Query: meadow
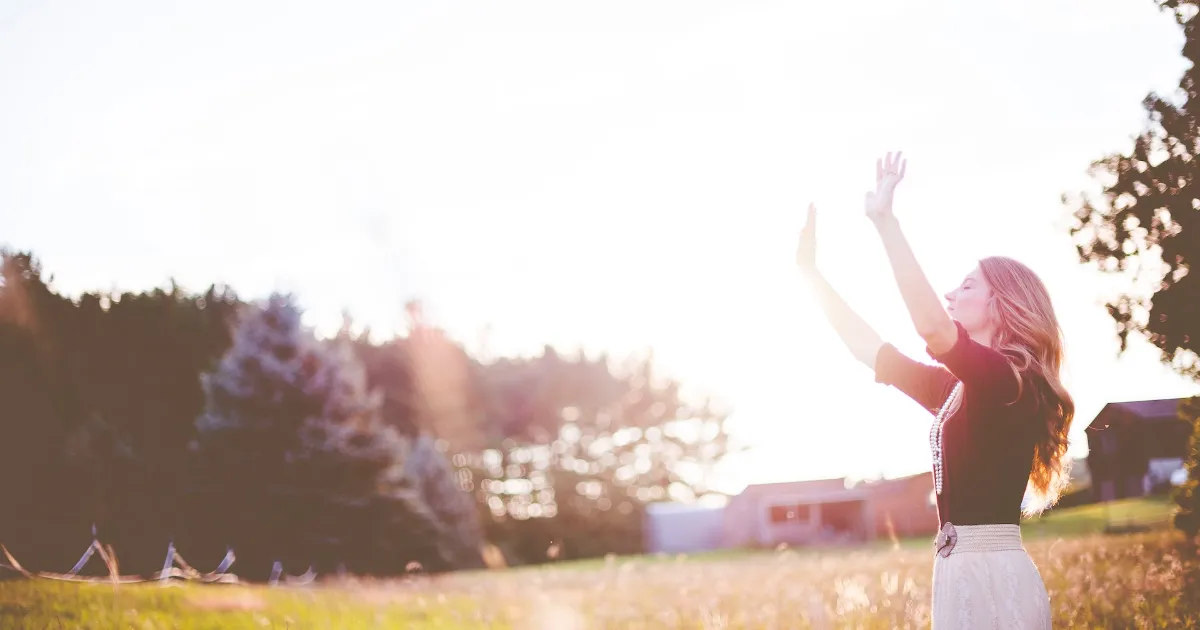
x: 1147, y: 579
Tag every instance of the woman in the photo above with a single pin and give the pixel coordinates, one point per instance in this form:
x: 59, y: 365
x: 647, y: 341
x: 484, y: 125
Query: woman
x: 1001, y: 414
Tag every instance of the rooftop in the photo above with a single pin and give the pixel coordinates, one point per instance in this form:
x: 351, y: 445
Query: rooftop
x: 1162, y: 409
x: 813, y: 486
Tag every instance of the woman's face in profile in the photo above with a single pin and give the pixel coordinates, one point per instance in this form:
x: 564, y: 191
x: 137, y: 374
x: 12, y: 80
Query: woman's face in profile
x: 968, y: 303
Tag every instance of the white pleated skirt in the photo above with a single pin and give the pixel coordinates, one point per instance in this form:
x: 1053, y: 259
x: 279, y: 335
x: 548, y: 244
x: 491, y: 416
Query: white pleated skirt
x: 986, y: 581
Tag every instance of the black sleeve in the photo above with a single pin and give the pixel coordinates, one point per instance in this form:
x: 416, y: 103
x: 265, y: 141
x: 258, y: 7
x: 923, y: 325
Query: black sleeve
x: 927, y: 384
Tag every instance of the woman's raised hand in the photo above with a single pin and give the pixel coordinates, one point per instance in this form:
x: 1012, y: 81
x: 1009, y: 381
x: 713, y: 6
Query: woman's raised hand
x: 806, y: 250
x: 888, y: 173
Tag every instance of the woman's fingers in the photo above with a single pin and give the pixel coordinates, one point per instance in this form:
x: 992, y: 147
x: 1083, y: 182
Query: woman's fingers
x: 892, y: 163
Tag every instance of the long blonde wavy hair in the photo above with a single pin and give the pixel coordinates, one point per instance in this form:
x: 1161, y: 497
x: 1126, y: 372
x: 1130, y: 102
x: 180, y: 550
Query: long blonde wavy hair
x: 1028, y: 333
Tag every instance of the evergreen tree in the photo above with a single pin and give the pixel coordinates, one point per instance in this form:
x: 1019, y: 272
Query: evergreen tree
x: 447, y: 493
x: 1146, y: 224
x: 294, y: 446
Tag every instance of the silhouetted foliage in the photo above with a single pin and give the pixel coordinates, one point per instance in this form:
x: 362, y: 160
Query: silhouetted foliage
x: 1147, y: 226
x: 98, y: 395
x: 1187, y: 496
x: 586, y: 450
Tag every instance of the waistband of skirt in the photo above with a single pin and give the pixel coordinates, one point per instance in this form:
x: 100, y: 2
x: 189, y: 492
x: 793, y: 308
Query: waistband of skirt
x: 982, y: 538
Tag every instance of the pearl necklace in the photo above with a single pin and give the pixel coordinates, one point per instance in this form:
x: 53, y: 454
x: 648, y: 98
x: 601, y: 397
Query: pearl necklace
x: 935, y: 437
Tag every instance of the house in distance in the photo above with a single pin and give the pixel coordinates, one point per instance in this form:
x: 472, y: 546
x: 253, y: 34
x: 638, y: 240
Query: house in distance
x: 798, y: 513
x: 1135, y: 447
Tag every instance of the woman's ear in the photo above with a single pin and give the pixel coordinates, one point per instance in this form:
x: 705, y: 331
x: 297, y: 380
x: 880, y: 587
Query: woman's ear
x: 994, y: 313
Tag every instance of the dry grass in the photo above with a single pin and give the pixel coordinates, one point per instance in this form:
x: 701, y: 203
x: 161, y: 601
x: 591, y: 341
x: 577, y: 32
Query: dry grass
x: 1094, y: 581
x: 1144, y: 581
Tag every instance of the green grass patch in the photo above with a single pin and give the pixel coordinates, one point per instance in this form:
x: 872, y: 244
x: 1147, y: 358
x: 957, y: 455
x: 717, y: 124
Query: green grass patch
x: 48, y: 605
x: 1150, y: 512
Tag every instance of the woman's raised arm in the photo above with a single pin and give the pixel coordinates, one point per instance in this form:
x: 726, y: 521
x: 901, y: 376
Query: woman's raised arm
x: 926, y: 384
x: 928, y: 315
x: 862, y: 340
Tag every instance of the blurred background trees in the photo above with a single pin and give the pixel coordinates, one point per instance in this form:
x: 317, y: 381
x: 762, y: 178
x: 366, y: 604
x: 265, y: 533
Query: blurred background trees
x: 213, y: 422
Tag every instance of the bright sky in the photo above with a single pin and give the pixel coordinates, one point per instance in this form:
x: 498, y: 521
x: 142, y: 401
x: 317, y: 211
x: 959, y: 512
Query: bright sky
x: 617, y: 174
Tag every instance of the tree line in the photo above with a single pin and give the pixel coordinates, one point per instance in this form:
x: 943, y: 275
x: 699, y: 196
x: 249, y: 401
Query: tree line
x: 214, y: 422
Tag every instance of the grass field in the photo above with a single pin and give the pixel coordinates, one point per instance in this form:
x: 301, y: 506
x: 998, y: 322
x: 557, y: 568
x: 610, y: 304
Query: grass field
x: 1145, y: 580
